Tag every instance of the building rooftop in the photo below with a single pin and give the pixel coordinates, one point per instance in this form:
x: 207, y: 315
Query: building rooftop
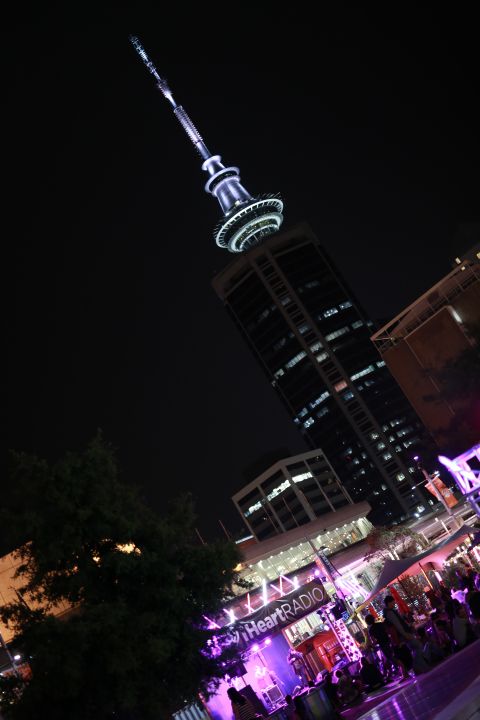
x: 437, y: 297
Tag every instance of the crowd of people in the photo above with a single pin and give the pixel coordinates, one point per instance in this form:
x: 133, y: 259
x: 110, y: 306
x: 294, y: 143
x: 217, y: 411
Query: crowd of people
x: 396, y: 647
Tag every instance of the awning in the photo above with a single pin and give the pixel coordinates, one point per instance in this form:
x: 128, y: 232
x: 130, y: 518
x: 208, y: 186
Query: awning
x: 393, y: 569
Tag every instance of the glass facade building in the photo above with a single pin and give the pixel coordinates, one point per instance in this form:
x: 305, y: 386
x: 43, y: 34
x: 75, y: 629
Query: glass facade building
x: 312, y: 339
x: 290, y: 493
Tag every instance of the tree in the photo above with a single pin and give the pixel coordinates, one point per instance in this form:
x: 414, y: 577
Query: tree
x: 395, y: 542
x: 133, y: 645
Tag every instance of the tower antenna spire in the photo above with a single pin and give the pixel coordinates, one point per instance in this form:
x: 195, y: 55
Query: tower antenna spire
x: 246, y: 219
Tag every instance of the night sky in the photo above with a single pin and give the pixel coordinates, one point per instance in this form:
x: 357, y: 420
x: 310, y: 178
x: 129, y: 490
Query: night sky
x: 369, y: 132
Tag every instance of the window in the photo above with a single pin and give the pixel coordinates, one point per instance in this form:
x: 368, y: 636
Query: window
x: 347, y: 395
x: 322, y: 412
x: 303, y: 412
x: 280, y: 343
x: 361, y: 373
x: 387, y: 456
x: 285, y: 300
x: 319, y: 399
x: 381, y: 446
x: 400, y: 477
x: 312, y: 284
x: 380, y: 363
x: 308, y: 422
x: 337, y: 333
x: 279, y: 373
x: 357, y: 324
x: 404, y: 431
x: 329, y: 312
x: 345, y: 305
x: 303, y: 328
x: 373, y: 436
x: 296, y: 359
x: 316, y: 346
x: 321, y: 357
x: 340, y: 385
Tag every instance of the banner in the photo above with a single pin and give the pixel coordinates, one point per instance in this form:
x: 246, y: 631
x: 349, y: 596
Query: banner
x: 280, y: 613
x: 328, y: 565
x: 437, y: 487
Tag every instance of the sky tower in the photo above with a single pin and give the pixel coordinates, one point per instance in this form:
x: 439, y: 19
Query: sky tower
x: 246, y: 220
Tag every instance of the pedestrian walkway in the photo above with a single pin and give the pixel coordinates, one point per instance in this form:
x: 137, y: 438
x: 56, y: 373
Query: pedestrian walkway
x: 450, y: 691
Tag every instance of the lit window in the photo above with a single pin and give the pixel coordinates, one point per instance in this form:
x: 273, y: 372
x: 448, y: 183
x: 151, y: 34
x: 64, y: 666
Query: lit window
x: 312, y: 284
x: 357, y: 324
x: 381, y: 446
x: 303, y: 412
x: 329, y: 312
x: 308, y: 422
x: 337, y: 333
x: 316, y: 346
x: 380, y: 363
x: 303, y: 328
x: 384, y: 487
x: 373, y: 435
x: 323, y: 412
x: 279, y: 373
x: 285, y: 300
x: 407, y: 443
x: 363, y: 372
x: 400, y: 477
x: 321, y: 357
x: 347, y: 395
x: 387, y: 456
x: 302, y: 476
x: 319, y: 399
x: 296, y: 359
x: 340, y: 385
x: 345, y: 305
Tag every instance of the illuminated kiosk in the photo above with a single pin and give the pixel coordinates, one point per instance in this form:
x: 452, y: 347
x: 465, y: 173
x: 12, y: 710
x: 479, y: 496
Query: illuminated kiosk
x: 466, y: 476
x: 246, y: 219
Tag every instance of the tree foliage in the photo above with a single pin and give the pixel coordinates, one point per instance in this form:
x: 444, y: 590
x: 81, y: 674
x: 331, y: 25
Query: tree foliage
x: 139, y: 587
x: 395, y: 542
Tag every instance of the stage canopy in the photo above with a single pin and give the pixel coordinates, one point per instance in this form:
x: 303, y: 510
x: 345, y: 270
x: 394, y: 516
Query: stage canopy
x: 393, y: 569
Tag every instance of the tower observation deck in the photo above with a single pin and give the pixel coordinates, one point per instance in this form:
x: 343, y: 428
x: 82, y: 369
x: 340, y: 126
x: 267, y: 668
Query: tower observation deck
x: 246, y: 219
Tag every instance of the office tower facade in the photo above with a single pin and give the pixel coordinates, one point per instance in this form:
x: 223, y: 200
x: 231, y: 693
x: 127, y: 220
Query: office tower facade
x: 290, y: 493
x: 313, y: 341
x: 421, y: 344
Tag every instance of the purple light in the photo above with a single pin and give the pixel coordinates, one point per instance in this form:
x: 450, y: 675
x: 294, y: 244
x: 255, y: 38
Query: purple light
x: 255, y: 648
x: 317, y: 573
x: 415, y: 457
x: 268, y: 641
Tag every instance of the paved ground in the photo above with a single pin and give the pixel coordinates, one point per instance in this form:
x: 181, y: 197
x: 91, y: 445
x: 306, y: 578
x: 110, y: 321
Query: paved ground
x: 449, y: 691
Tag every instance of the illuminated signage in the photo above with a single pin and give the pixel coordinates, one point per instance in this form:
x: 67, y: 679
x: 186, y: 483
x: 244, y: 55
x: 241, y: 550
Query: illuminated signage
x: 280, y: 613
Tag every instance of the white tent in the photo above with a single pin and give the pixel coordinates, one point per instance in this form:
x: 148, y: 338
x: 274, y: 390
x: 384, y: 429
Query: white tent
x: 393, y: 569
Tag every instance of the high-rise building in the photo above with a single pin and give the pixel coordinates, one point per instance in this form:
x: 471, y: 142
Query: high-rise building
x: 421, y: 344
x: 312, y: 339
x: 292, y: 492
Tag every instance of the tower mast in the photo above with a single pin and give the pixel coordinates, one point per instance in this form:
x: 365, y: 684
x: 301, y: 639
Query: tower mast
x: 246, y: 219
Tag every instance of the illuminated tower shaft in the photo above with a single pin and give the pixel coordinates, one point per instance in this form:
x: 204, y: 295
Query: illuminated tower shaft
x: 246, y: 219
